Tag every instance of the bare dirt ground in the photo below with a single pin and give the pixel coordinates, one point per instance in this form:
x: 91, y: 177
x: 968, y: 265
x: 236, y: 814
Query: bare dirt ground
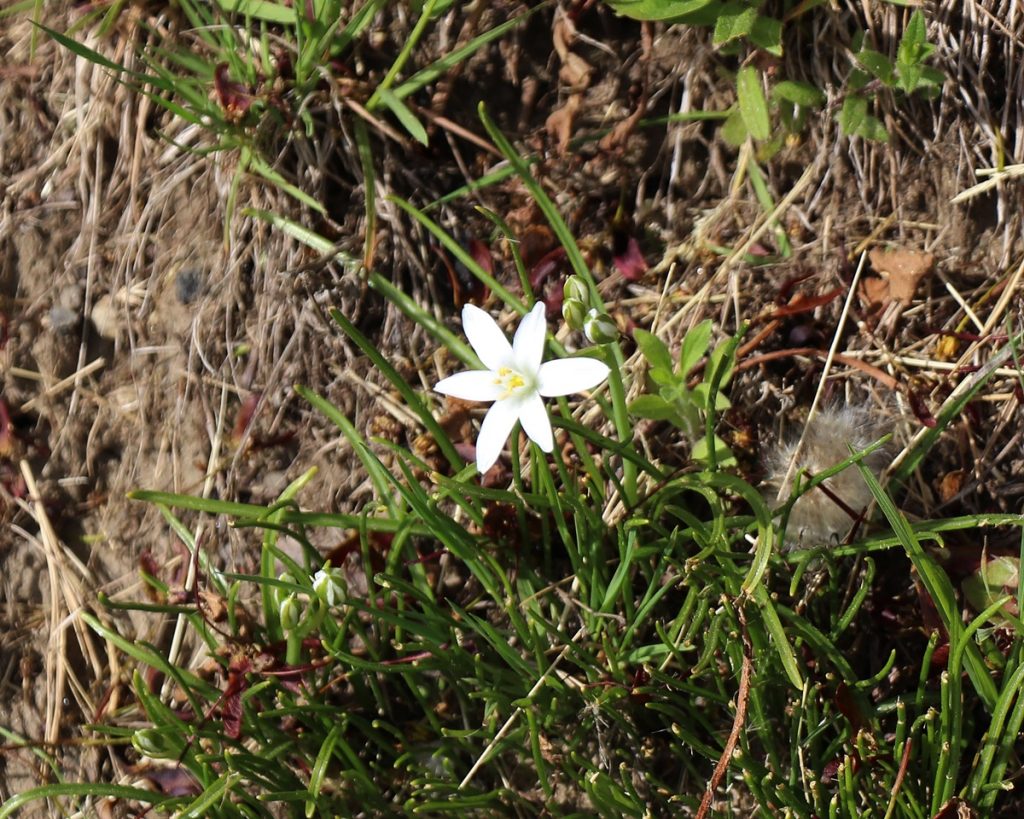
x: 143, y: 348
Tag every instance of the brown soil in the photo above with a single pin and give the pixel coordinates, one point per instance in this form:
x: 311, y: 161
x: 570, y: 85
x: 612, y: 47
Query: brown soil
x: 145, y: 351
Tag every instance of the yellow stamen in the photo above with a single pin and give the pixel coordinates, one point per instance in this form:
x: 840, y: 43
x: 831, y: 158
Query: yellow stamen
x: 510, y: 380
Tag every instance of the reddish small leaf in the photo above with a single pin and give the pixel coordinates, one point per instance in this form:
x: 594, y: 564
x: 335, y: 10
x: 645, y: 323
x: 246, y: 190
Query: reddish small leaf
x: 481, y: 254
x: 631, y: 263
x: 547, y: 265
x: 919, y: 407
x: 783, y: 296
x: 244, y: 417
x: 804, y: 304
x: 231, y: 707
x: 849, y: 707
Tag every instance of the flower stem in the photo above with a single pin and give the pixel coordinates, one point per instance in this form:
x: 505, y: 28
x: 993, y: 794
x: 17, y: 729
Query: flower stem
x: 620, y: 417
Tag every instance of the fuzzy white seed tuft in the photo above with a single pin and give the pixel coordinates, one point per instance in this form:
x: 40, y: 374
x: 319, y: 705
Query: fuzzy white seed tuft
x: 821, y: 517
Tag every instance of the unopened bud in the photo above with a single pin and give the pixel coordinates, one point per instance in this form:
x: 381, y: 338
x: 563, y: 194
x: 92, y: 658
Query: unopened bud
x: 575, y: 313
x: 157, y: 743
x: 329, y: 585
x: 576, y: 288
x: 599, y: 327
x: 290, y: 612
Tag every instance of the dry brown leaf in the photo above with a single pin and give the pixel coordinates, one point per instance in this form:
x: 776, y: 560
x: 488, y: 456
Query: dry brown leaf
x: 901, y: 270
x: 559, y: 123
x: 950, y: 484
x: 874, y: 291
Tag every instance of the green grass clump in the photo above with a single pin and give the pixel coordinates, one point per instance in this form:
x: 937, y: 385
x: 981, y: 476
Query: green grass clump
x: 593, y: 636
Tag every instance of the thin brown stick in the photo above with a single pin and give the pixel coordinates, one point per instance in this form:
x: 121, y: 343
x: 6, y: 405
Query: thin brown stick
x: 900, y: 775
x: 879, y: 375
x: 737, y: 725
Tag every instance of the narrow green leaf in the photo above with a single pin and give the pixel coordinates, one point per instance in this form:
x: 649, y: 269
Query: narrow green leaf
x: 97, y: 790
x: 405, y: 116
x: 938, y: 586
x: 442, y: 66
x: 260, y: 10
x: 411, y: 398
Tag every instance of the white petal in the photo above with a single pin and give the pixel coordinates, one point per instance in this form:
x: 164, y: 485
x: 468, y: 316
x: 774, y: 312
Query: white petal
x: 498, y: 423
x: 486, y: 337
x: 534, y: 418
x: 564, y: 376
x: 472, y: 385
x: 528, y: 344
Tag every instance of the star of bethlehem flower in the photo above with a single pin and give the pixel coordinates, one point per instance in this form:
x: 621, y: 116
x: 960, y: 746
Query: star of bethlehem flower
x: 516, y: 380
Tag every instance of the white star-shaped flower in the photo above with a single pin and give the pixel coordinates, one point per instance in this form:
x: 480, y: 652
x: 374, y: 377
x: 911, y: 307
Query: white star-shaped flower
x: 516, y: 380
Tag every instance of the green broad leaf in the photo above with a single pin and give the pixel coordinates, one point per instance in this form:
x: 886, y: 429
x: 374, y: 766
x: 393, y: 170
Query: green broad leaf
x: 657, y: 9
x: 909, y: 77
x: 735, y: 20
x: 857, y: 80
x: 799, y: 93
x: 878, y: 64
x: 653, y: 407
x: 404, y: 115
x: 932, y: 79
x: 723, y: 455
x: 852, y: 114
x: 694, y: 348
x: 913, y: 45
x: 662, y: 377
x: 734, y: 129
x: 873, y: 129
x: 766, y: 33
x: 654, y: 350
x: 753, y: 105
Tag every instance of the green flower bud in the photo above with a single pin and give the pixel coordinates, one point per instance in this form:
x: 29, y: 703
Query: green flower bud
x: 329, y: 585
x: 599, y: 327
x: 574, y: 312
x: 290, y: 612
x: 157, y: 743
x: 576, y: 289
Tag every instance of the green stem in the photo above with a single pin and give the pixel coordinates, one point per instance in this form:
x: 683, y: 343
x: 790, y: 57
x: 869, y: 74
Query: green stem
x: 403, y: 56
x: 620, y: 417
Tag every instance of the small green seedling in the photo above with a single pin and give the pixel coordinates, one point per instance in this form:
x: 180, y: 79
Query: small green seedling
x: 674, y: 401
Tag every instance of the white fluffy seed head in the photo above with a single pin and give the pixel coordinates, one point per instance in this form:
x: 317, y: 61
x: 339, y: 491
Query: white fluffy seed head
x: 816, y: 519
